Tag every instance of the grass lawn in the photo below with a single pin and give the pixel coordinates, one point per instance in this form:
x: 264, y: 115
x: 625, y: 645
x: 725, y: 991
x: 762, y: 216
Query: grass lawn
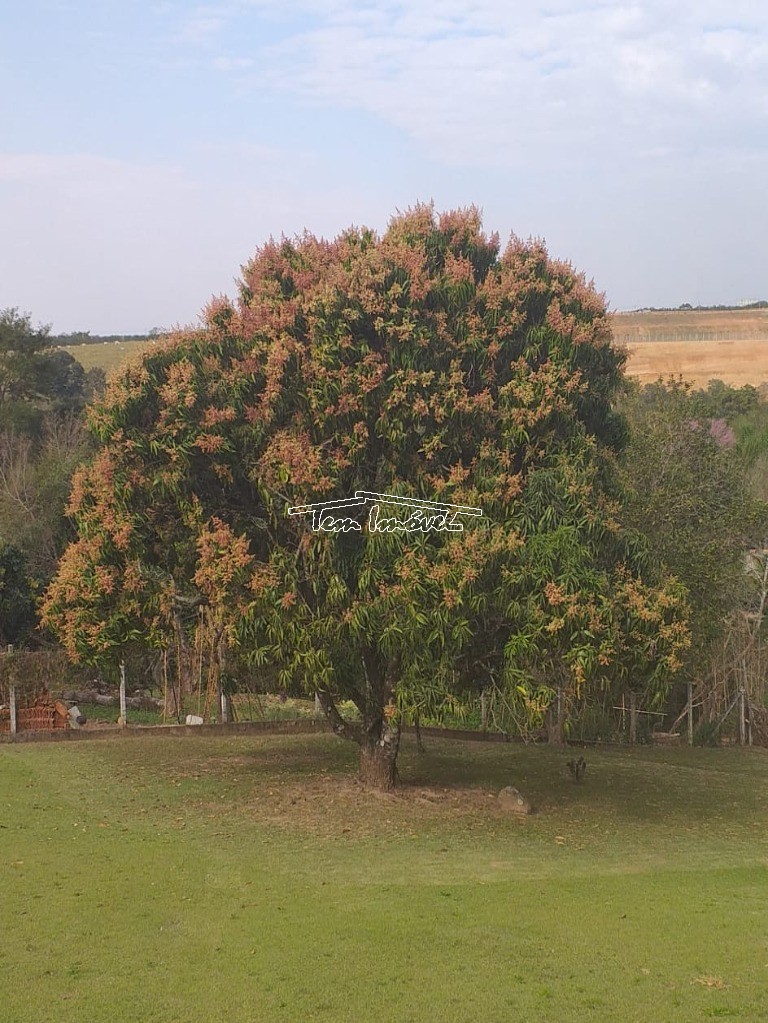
x: 108, y: 355
x: 251, y: 879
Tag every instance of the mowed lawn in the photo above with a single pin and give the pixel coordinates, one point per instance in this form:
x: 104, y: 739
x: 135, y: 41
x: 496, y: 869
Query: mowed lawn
x: 249, y: 879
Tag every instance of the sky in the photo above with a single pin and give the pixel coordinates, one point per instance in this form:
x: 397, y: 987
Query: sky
x: 148, y: 148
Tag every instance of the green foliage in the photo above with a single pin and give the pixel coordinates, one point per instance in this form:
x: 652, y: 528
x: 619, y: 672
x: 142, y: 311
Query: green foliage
x: 42, y: 394
x: 722, y: 401
x: 95, y: 383
x: 136, y: 716
x: 17, y: 608
x: 30, y: 671
x: 63, y: 379
x: 751, y: 431
x: 21, y: 370
x: 34, y: 377
x: 422, y: 363
x: 21, y: 350
x: 687, y: 491
x: 706, y: 733
x: 593, y: 721
x: 35, y: 479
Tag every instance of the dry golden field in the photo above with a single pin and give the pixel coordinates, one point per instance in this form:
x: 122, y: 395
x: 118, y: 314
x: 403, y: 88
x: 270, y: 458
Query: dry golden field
x: 691, y: 325
x: 733, y: 362
x: 731, y: 346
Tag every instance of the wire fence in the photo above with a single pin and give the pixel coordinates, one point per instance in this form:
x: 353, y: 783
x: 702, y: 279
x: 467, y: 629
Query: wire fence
x: 644, y: 335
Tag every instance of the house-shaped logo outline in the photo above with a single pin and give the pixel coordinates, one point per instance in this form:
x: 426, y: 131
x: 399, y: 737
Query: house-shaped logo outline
x: 363, y: 497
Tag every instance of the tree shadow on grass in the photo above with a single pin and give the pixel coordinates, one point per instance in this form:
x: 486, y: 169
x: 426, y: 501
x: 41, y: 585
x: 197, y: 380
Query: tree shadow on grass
x: 310, y: 782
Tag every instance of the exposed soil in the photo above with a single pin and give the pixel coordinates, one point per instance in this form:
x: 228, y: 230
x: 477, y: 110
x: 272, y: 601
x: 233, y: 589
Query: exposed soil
x: 332, y: 805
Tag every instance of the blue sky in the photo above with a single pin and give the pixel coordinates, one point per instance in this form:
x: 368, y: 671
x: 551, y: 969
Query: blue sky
x: 147, y: 149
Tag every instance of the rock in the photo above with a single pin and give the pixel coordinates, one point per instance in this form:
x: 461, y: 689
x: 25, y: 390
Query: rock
x: 514, y: 801
x: 76, y: 719
x: 194, y: 719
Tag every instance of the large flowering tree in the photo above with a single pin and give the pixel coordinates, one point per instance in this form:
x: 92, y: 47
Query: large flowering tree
x: 421, y: 363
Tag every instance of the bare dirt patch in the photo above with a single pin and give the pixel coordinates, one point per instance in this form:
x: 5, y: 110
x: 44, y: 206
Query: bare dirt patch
x: 333, y: 805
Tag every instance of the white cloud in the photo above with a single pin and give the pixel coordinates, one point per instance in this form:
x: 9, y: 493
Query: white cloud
x: 493, y: 82
x: 632, y: 135
x: 232, y: 63
x: 202, y: 27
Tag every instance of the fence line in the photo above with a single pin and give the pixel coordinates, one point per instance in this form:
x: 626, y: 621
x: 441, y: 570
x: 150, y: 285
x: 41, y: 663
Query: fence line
x: 643, y: 335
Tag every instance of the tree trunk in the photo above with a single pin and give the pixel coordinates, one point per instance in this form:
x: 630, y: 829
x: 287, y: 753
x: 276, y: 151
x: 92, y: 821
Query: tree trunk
x: 419, y: 740
x: 378, y: 738
x: 378, y: 757
x: 89, y: 696
x: 171, y: 705
x: 632, y: 718
x: 184, y: 667
x: 556, y: 720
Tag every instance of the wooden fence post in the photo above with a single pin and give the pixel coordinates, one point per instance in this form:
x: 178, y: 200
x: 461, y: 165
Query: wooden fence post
x: 123, y: 713
x: 219, y: 700
x: 632, y: 717
x: 483, y: 711
x: 690, y: 713
x: 12, y: 697
x: 742, y: 719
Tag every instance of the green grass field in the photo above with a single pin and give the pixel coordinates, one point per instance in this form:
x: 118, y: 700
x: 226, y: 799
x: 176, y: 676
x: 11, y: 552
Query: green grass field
x: 209, y: 879
x: 108, y: 355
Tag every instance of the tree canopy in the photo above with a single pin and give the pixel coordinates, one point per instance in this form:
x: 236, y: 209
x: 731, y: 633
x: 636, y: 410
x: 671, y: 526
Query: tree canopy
x: 686, y: 484
x: 423, y: 363
x: 36, y: 377
x: 17, y: 605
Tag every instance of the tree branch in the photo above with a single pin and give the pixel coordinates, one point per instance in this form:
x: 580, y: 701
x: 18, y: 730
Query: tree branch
x: 341, y: 727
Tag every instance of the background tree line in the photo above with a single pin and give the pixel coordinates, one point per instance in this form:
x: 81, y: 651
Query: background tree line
x: 43, y: 395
